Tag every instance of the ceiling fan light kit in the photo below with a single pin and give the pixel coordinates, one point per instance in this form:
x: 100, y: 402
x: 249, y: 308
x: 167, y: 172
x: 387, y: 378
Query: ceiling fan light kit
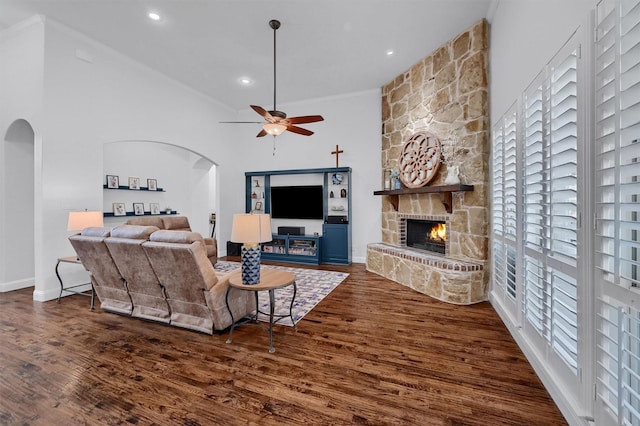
x: 274, y: 129
x: 277, y: 121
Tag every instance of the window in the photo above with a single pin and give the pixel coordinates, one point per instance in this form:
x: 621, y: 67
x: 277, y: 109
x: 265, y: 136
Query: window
x: 555, y: 261
x: 535, y: 232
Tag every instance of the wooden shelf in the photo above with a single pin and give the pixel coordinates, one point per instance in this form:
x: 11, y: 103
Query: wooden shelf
x: 162, y: 213
x: 445, y: 192
x: 126, y: 188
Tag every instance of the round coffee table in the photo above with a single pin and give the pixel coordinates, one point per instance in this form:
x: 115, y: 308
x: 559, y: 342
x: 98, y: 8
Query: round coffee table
x: 270, y: 280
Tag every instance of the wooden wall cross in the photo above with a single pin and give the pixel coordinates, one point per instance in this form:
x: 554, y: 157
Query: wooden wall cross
x: 337, y: 153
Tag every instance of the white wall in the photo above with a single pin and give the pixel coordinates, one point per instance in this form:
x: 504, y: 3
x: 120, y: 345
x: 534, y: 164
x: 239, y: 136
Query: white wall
x: 87, y: 104
x: 524, y: 37
x: 183, y: 175
x: 351, y: 121
x: 21, y: 69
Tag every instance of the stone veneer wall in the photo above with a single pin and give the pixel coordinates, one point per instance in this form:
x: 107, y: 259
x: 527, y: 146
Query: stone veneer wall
x: 446, y: 94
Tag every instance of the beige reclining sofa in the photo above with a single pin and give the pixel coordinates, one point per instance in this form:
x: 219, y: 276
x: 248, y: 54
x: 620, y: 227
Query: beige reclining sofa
x: 176, y: 223
x: 159, y: 275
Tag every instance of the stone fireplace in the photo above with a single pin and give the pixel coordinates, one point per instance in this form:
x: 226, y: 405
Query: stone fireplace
x: 445, y: 94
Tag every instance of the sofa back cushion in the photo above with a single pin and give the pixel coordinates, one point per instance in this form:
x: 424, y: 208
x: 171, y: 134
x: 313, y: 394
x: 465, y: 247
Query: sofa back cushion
x: 96, y: 232
x: 136, y: 232
x: 94, y: 255
x: 147, y: 294
x: 176, y: 223
x: 125, y: 247
x: 178, y: 237
x: 147, y: 221
x: 181, y: 256
x: 108, y: 281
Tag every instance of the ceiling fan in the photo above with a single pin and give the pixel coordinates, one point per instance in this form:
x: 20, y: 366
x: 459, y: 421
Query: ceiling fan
x: 276, y: 122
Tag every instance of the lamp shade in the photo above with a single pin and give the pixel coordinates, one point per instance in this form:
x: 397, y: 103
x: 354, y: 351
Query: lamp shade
x: 274, y: 129
x: 80, y: 220
x: 251, y: 228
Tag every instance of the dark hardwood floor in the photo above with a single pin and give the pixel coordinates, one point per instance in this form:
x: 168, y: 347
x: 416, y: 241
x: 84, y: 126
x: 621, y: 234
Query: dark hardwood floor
x: 373, y: 352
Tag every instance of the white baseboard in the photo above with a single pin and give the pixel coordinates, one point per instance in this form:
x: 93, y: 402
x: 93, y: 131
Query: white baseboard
x: 17, y: 285
x: 53, y: 293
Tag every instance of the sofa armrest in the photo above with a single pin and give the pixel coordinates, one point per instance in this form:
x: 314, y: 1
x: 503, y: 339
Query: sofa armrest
x: 212, y: 249
x: 241, y: 302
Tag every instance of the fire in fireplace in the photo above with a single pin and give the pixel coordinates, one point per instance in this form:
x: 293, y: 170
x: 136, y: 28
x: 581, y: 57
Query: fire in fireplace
x: 426, y: 235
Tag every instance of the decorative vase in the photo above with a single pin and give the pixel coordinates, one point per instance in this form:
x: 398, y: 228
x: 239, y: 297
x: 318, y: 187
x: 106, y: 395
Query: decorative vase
x: 386, y: 179
x: 397, y: 184
x: 250, y: 264
x: 453, y: 176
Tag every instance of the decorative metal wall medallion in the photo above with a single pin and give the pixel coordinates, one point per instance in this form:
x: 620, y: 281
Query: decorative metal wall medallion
x: 420, y: 160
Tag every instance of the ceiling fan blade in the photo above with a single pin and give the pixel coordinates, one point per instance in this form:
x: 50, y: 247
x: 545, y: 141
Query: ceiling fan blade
x: 263, y: 112
x: 261, y: 134
x: 299, y: 130
x: 305, y: 119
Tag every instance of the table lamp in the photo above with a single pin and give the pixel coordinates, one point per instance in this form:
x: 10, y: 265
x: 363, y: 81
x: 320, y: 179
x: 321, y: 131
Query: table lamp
x: 80, y: 220
x: 251, y: 230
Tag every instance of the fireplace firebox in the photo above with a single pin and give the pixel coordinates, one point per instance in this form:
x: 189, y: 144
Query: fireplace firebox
x: 426, y: 235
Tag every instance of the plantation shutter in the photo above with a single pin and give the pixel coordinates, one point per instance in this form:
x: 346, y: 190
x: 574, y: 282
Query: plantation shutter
x: 504, y: 204
x: 550, y: 203
x: 617, y: 208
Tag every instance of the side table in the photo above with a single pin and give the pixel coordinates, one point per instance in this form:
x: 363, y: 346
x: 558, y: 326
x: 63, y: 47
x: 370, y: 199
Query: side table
x: 270, y: 280
x: 76, y: 261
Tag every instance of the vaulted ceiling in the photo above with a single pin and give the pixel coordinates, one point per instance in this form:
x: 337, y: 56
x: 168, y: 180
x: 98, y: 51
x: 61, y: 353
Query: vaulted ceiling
x: 324, y: 47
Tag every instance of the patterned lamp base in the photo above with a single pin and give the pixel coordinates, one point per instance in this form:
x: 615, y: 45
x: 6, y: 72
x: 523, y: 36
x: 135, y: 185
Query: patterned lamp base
x: 250, y: 265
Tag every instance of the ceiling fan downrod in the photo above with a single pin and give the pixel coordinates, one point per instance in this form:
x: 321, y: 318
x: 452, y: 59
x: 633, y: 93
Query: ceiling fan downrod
x: 275, y: 24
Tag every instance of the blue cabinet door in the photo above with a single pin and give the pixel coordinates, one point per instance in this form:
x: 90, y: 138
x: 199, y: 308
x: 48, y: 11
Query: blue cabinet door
x: 335, y: 243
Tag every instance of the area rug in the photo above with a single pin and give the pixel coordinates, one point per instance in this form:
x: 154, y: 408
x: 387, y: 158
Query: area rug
x: 312, y: 286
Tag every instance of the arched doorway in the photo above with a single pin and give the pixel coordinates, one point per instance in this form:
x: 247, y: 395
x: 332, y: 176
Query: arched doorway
x: 187, y: 180
x: 17, y: 206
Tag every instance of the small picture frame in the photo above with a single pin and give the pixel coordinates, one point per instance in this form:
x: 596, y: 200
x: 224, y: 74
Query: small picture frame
x: 258, y: 205
x: 134, y: 182
x: 138, y: 209
x: 113, y: 181
x: 119, y: 210
x: 152, y: 184
x: 154, y: 208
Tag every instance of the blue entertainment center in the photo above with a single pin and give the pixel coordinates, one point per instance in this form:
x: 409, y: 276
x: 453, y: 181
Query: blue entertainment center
x: 318, y: 198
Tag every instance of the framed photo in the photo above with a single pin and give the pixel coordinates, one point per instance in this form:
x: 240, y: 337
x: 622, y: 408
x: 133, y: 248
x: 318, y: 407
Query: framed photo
x: 119, y: 210
x: 113, y: 181
x: 336, y: 178
x: 152, y: 184
x: 138, y: 209
x: 154, y: 208
x: 258, y: 205
x: 134, y: 183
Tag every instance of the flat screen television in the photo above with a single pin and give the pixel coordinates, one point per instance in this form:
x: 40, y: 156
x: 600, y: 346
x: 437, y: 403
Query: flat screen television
x: 297, y: 202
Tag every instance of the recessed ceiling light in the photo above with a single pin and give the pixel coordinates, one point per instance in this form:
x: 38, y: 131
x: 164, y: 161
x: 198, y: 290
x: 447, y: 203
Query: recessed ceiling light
x: 390, y: 52
x: 245, y: 81
x: 153, y: 16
